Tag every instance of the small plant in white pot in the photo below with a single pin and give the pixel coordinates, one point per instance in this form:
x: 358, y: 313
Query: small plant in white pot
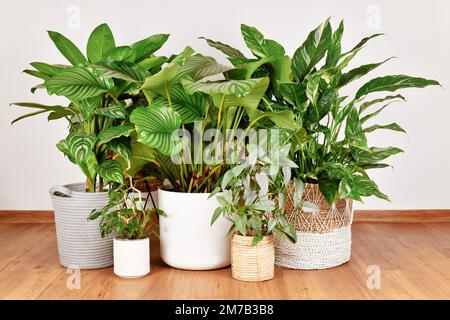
x: 252, y: 200
x: 128, y: 218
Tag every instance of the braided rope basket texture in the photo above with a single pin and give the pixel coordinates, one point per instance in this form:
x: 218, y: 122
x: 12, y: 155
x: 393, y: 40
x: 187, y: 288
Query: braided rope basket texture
x: 323, y: 237
x: 252, y: 263
x: 80, y: 244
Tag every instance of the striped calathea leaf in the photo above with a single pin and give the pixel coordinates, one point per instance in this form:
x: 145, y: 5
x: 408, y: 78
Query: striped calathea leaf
x: 111, y: 133
x: 155, y: 125
x: 110, y: 171
x: 199, y: 67
x: 78, y: 83
x: 113, y: 112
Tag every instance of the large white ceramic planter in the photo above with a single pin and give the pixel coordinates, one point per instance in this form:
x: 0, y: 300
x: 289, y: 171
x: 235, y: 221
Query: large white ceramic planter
x: 131, y: 257
x: 188, y: 241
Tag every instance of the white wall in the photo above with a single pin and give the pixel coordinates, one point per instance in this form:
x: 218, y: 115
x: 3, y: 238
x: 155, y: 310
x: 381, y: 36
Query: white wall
x: 417, y: 33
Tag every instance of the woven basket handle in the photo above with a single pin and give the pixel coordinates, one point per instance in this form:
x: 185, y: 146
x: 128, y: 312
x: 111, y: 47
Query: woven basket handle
x: 60, y: 190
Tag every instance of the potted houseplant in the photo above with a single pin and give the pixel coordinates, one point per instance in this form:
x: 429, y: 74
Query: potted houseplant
x: 128, y: 218
x: 196, y: 108
x: 252, y: 199
x: 102, y: 90
x: 330, y: 147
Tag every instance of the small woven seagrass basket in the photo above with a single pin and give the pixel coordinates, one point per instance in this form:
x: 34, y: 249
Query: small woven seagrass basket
x: 252, y: 263
x: 323, y: 237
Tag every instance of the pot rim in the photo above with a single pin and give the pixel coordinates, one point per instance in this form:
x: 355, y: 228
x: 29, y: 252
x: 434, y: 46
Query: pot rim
x: 131, y: 240
x: 266, y: 237
x: 194, y: 194
x: 73, y: 188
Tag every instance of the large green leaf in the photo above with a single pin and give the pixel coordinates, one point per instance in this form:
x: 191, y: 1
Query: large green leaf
x: 122, y: 70
x: 312, y: 50
x: 114, y: 112
x: 155, y: 126
x: 89, y: 166
x: 148, y: 46
x: 238, y: 88
x: 78, y: 83
x: 199, y: 67
x: 110, y: 171
x: 259, y: 46
x: 353, y: 130
x: 357, y: 73
x: 367, y: 104
x: 224, y: 48
x: 60, y: 110
x: 160, y: 82
x: 374, y: 154
x: 152, y: 63
x: 47, y: 69
x: 190, y: 107
x: 67, y: 48
x: 393, y: 83
x: 100, y: 41
x: 79, y: 145
x: 122, y: 53
x: 114, y: 132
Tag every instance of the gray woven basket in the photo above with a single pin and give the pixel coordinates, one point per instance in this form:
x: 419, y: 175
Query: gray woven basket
x: 79, y: 242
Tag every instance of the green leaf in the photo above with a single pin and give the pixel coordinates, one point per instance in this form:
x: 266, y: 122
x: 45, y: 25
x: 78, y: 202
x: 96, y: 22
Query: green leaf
x: 353, y: 130
x: 259, y: 46
x: 271, y: 224
x: 362, y: 43
x: 114, y: 112
x: 311, y: 51
x: 89, y: 166
x: 114, y: 132
x: 257, y: 239
x: 374, y: 154
x: 190, y: 107
x: 122, y: 70
x: 329, y: 189
x: 241, y: 223
x: 63, y: 146
x: 100, y: 41
x: 120, y: 147
x: 155, y: 126
x: 152, y: 63
x: 28, y: 115
x: 363, y: 187
x: 148, y: 46
x: 122, y: 53
x: 199, y: 67
x: 47, y: 69
x: 357, y: 73
x: 110, y: 171
x: 80, y: 145
x: 224, y: 48
x: 78, y: 83
x: 334, y: 51
x: 393, y: 83
x: 238, y: 88
x: 67, y: 48
x: 295, y: 94
x: 367, y: 104
x: 37, y: 74
x: 392, y: 126
x: 87, y: 106
x: 216, y: 215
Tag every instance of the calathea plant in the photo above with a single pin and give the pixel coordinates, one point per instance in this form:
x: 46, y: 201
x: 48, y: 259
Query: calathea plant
x: 103, y: 88
x: 328, y: 131
x: 178, y: 100
x: 253, y: 192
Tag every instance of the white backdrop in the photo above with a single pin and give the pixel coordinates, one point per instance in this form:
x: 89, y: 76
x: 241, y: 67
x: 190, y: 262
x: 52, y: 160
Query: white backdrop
x: 417, y: 33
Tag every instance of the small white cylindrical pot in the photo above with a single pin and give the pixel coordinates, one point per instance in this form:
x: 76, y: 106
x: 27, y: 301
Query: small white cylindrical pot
x: 131, y: 257
x: 188, y: 241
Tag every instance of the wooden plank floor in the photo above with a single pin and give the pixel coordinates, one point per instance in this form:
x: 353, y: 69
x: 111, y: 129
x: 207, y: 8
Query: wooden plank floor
x: 414, y: 259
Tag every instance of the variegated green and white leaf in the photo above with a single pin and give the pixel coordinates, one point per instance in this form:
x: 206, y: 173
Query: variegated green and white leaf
x: 78, y: 83
x: 114, y: 112
x: 199, y: 67
x: 367, y: 104
x: 63, y: 146
x: 392, y: 126
x: 79, y: 145
x: 110, y: 171
x: 114, y: 132
x: 121, y: 148
x: 260, y: 46
x: 155, y: 126
x: 310, y: 207
x: 89, y: 166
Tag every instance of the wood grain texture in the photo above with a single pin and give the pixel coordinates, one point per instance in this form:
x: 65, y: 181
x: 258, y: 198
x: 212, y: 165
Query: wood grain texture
x: 428, y: 215
x: 414, y: 259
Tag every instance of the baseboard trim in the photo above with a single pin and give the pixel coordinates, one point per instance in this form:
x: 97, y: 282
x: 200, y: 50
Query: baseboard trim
x: 393, y: 216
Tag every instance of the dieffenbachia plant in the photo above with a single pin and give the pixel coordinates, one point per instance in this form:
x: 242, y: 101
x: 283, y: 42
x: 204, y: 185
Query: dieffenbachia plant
x: 329, y: 143
x: 103, y: 88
